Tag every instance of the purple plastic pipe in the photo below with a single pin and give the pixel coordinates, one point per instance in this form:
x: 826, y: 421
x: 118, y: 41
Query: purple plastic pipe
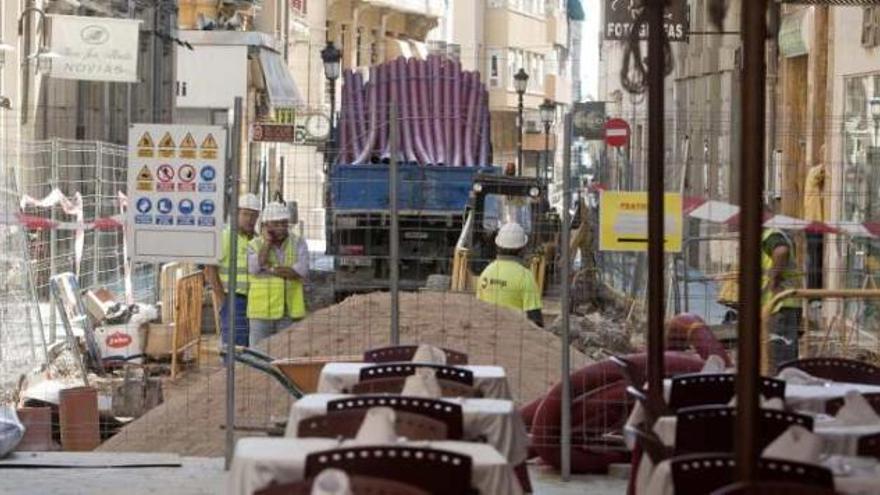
x: 414, y: 120
x: 372, y: 95
x: 426, y: 128
x: 342, y: 145
x: 382, y: 107
x: 485, y: 129
x: 436, y: 84
x: 403, y: 114
x: 448, y: 112
x: 354, y: 139
x: 458, y: 87
x: 471, y: 125
x: 359, y: 112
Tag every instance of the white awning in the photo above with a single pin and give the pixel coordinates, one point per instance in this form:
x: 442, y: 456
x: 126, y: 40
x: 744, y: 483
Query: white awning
x: 280, y: 87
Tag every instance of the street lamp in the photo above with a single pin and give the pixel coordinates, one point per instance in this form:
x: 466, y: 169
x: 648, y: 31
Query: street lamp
x: 548, y: 115
x: 331, y: 57
x: 520, y: 83
x: 875, y: 114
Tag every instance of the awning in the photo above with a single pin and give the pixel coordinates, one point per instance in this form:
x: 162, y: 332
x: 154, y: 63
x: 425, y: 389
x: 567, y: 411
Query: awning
x: 576, y: 10
x: 280, y: 87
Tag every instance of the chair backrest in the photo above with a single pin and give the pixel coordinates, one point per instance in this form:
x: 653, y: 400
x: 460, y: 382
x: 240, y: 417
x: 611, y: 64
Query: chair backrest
x: 837, y: 369
x: 345, y: 424
x: 869, y: 446
x: 438, y: 472
x: 402, y: 353
x: 834, y: 405
x: 698, y: 389
x: 773, y: 488
x: 360, y: 485
x: 446, y: 412
x: 712, y: 428
x: 700, y: 474
x: 395, y: 386
x: 450, y: 373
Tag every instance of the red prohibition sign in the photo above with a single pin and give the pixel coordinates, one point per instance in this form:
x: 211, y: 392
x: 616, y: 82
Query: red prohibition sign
x: 187, y: 173
x: 165, y: 173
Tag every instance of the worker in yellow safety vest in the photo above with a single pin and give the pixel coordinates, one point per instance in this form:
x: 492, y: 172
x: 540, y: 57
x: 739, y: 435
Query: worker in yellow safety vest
x: 506, y: 281
x: 218, y: 275
x: 278, y: 263
x: 778, y: 263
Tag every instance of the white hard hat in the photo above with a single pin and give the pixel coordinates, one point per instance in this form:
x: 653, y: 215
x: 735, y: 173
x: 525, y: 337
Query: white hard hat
x: 275, y: 212
x: 511, y: 236
x: 249, y: 202
x: 331, y: 482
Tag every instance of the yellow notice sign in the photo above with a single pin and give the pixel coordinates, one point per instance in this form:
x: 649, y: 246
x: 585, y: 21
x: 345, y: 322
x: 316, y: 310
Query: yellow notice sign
x: 188, y: 146
x: 167, y: 146
x: 145, y: 146
x: 623, y: 221
x: 209, y: 147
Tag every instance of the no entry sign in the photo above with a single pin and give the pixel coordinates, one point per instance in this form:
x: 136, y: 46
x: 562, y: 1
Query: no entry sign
x: 616, y: 133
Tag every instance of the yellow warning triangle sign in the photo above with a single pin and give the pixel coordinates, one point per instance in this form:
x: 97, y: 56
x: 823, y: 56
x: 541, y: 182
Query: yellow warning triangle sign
x: 188, y: 142
x: 145, y: 174
x: 209, y: 143
x: 167, y: 141
x: 146, y: 141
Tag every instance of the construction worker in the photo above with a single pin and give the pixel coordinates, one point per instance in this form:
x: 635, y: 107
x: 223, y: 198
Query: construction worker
x: 506, y: 282
x: 780, y: 273
x: 218, y: 275
x: 278, y: 263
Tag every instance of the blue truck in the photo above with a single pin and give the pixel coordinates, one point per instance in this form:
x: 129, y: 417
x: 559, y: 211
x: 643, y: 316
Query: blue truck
x: 431, y: 202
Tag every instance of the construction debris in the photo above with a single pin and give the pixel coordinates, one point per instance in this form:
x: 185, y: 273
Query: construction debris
x: 596, y: 335
x: 190, y: 421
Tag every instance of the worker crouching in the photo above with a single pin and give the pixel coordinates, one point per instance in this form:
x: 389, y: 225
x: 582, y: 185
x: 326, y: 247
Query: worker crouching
x: 506, y: 282
x: 278, y: 263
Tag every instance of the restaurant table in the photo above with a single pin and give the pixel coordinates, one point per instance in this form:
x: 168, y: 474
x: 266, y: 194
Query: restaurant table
x: 259, y: 461
x: 812, y: 398
x: 337, y: 378
x: 496, y: 420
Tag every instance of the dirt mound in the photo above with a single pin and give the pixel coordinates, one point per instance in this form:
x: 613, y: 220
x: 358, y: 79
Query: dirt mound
x: 190, y: 420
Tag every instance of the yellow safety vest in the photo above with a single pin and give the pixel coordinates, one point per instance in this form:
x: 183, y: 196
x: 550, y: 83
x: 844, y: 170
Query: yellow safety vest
x: 241, y: 272
x: 791, y: 279
x: 271, y: 297
x: 505, y: 282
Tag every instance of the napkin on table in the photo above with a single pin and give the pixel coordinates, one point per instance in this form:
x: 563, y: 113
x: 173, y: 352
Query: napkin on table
x: 423, y: 383
x: 429, y: 354
x: 796, y: 444
x: 713, y: 364
x: 856, y: 411
x: 775, y: 403
x: 331, y: 482
x: 378, y: 426
x: 794, y: 376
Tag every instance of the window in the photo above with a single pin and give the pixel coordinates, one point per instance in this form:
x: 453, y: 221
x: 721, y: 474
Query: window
x: 871, y: 27
x: 494, y: 69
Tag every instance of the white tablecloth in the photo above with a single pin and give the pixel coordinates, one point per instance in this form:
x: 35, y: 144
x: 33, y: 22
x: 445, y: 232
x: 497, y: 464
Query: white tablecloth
x: 337, y: 377
x: 859, y: 483
x: 495, y: 419
x: 812, y: 398
x: 259, y: 461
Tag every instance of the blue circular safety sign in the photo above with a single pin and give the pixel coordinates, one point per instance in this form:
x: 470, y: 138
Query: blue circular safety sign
x: 185, y: 206
x: 164, y: 205
x: 207, y: 207
x: 144, y: 205
x: 208, y: 173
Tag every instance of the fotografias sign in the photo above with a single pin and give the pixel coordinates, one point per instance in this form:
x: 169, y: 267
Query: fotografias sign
x: 621, y: 16
x: 94, y: 48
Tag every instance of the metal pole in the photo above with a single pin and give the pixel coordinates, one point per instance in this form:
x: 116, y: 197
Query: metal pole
x: 752, y: 158
x: 519, y: 136
x: 394, y: 242
x: 234, y: 163
x: 656, y: 190
x: 546, y: 174
x: 565, y: 423
x: 53, y: 241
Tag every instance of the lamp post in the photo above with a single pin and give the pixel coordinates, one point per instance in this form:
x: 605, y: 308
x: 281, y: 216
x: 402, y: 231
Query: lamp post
x: 43, y: 56
x: 331, y: 57
x: 874, y: 155
x: 520, y: 83
x: 548, y: 115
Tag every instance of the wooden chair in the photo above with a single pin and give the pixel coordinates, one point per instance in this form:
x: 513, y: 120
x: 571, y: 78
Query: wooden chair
x: 445, y: 412
x: 345, y: 424
x: 395, y: 385
x: 773, y: 488
x: 437, y: 472
x: 700, y: 389
x: 360, y: 485
x: 837, y: 369
x: 834, y: 405
x: 712, y: 428
x: 869, y: 446
x: 450, y: 373
x: 700, y: 474
x: 402, y: 353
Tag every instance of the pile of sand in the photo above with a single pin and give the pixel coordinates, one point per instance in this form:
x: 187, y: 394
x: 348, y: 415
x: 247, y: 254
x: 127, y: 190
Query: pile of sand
x: 190, y: 420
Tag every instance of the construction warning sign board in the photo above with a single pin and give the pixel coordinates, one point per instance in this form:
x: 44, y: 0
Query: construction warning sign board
x: 145, y: 146
x: 175, y: 196
x: 623, y: 221
x: 209, y: 147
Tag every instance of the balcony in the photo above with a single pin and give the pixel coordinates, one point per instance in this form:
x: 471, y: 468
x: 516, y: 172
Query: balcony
x: 427, y: 8
x: 515, y: 29
x: 557, y: 29
x: 558, y: 88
